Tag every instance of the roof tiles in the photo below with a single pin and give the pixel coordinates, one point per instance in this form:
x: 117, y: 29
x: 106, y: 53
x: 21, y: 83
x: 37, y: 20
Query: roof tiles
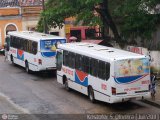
x: 9, y: 3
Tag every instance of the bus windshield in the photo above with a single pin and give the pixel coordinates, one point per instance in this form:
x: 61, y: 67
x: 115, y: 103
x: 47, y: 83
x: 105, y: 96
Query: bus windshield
x: 132, y: 67
x: 50, y: 45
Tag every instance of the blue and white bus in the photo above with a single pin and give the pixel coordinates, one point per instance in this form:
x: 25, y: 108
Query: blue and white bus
x: 103, y: 73
x: 32, y: 50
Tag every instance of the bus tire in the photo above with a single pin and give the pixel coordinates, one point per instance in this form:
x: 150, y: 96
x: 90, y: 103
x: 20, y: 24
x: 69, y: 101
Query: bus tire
x: 66, y: 85
x: 91, y: 94
x: 27, y: 67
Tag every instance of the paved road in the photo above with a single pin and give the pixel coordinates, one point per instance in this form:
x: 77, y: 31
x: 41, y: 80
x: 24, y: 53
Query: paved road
x: 40, y: 93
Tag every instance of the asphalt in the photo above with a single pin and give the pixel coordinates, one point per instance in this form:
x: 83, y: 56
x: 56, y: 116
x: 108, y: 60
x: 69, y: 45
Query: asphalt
x: 7, y: 106
x: 12, y: 108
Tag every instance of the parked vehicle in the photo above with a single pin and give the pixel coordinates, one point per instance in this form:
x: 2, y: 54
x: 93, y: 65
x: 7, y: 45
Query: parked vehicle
x: 32, y: 50
x: 103, y: 73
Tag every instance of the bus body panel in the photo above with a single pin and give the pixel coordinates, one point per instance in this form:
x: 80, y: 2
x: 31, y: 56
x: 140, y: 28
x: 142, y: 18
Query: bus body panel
x: 26, y: 46
x: 119, y: 86
x: 20, y: 56
x: 131, y: 79
x: 48, y: 52
x: 102, y: 97
x: 132, y: 75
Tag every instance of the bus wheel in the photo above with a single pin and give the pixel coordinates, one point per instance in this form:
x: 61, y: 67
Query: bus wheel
x: 91, y: 94
x: 27, y: 67
x: 66, y: 85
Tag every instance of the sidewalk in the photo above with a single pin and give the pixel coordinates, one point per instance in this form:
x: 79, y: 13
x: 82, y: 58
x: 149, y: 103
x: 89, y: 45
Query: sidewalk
x: 155, y: 102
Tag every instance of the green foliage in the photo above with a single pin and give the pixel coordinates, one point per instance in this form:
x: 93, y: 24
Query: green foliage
x: 136, y: 18
x: 57, y: 10
x: 133, y: 17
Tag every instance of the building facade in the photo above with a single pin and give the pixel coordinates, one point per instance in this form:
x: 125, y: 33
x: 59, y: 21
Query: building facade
x: 79, y: 31
x: 17, y: 15
x: 30, y: 10
x: 10, y: 18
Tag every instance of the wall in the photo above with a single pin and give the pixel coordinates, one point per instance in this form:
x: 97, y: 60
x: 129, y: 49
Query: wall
x: 29, y: 22
x: 3, y: 25
x: 9, y: 16
x: 155, y: 61
x: 9, y: 11
x: 139, y: 50
x: 61, y: 31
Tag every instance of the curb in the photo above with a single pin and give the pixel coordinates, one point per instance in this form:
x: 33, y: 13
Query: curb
x: 153, y: 103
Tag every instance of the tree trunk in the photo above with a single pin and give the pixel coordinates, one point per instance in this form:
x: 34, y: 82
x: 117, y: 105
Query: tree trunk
x: 108, y: 21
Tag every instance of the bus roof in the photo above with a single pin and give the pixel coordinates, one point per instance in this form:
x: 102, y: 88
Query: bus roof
x: 100, y: 52
x: 34, y: 35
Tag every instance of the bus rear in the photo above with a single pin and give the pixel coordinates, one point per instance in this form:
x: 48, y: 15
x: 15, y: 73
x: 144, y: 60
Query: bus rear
x: 48, y: 53
x: 131, y: 80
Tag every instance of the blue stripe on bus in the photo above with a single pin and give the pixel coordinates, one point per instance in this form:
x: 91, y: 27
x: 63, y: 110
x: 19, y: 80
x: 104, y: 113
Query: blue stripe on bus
x: 128, y: 79
x: 48, y: 54
x: 86, y: 86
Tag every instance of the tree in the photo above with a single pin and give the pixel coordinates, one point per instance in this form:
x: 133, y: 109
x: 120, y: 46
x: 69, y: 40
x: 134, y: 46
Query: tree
x: 133, y: 17
x: 83, y: 10
x: 138, y: 18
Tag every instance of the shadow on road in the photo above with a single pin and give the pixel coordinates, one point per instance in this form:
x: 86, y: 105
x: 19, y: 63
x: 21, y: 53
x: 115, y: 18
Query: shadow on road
x: 117, y: 107
x: 41, y: 74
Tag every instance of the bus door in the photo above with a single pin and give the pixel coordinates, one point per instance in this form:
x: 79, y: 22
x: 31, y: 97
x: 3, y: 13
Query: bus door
x: 59, y: 60
x: 131, y: 76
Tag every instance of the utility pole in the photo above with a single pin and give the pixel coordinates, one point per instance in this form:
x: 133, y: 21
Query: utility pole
x: 44, y: 19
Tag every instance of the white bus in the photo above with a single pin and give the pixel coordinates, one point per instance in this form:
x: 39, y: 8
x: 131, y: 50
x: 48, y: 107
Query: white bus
x: 32, y: 50
x: 103, y: 73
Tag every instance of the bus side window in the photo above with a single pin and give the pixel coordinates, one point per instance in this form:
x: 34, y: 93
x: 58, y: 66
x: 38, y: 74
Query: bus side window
x: 102, y: 70
x: 34, y: 47
x: 13, y: 41
x: 25, y: 45
x: 30, y: 46
x: 85, y: 64
x: 21, y: 43
x: 65, y: 58
x: 107, y: 71
x: 79, y: 62
x: 71, y: 60
x: 18, y: 43
x: 94, y: 67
